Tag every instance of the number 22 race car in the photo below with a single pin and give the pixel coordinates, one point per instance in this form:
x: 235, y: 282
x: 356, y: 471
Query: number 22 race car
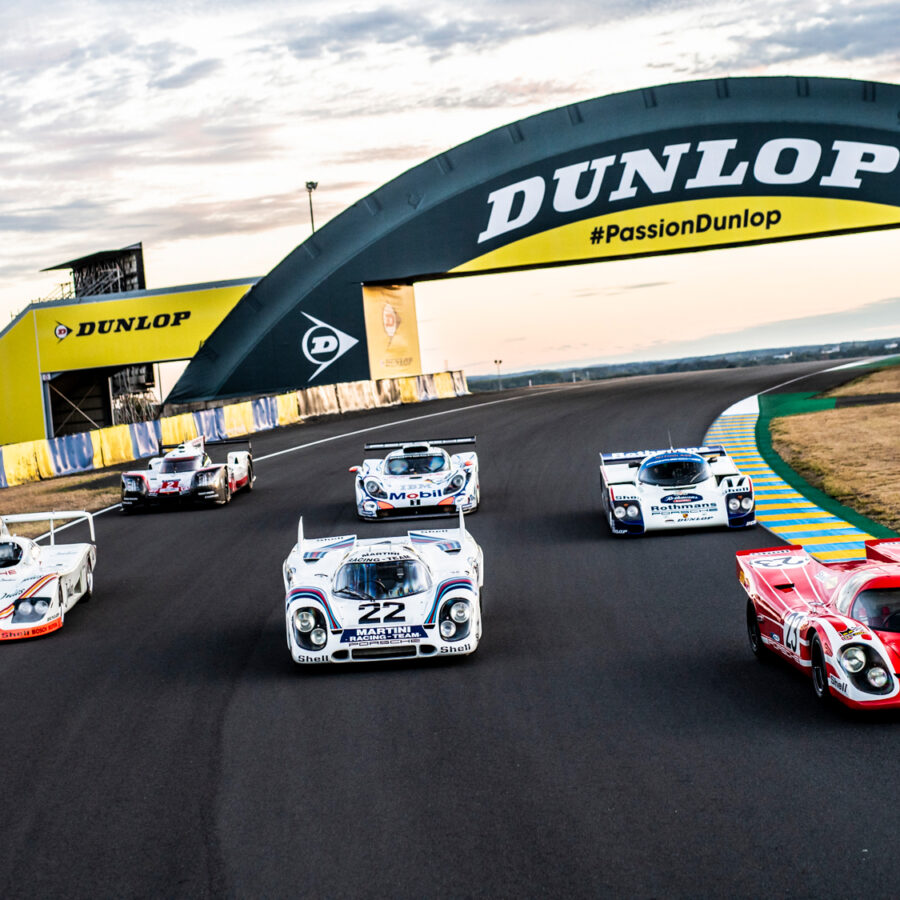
x: 416, y: 595
x: 40, y: 584
x: 656, y: 490
x: 418, y: 478
x: 187, y: 475
x: 839, y: 622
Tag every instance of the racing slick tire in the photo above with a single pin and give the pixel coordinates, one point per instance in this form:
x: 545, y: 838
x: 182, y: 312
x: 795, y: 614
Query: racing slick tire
x: 249, y: 485
x: 819, y: 671
x: 754, y: 635
x: 89, y: 583
x: 226, y: 494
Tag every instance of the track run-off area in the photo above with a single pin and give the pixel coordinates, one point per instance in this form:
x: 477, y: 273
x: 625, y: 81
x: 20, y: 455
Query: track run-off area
x: 612, y: 736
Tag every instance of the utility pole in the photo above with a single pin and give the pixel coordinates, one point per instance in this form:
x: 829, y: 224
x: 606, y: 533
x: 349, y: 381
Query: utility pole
x: 310, y: 187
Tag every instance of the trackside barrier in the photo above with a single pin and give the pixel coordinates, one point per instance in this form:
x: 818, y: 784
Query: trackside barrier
x: 409, y: 389
x: 211, y: 422
x: 238, y: 418
x: 178, y: 429
x: 36, y: 460
x: 288, y: 409
x: 355, y: 395
x: 265, y: 413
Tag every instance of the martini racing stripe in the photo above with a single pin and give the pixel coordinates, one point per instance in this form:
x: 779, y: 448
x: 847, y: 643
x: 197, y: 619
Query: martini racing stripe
x: 444, y: 588
x: 308, y: 593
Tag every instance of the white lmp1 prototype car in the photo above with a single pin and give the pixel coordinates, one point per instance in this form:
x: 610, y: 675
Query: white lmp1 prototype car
x: 416, y: 595
x: 691, y: 487
x: 39, y: 584
x: 187, y: 475
x: 417, y: 478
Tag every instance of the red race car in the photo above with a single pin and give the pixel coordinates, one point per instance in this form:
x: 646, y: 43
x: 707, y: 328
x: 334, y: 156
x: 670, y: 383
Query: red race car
x: 840, y: 621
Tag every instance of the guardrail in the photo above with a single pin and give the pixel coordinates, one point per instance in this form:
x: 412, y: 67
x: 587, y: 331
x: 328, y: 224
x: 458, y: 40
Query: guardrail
x: 88, y: 450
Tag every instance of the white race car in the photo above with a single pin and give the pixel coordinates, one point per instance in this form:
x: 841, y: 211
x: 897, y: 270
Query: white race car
x: 416, y: 595
x: 691, y: 487
x: 418, y: 478
x: 187, y: 475
x: 39, y: 584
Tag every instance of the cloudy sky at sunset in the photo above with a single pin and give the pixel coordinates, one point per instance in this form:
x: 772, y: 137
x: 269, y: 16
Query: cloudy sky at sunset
x: 192, y: 126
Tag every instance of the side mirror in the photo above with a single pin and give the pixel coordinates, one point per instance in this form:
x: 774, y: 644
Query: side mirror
x: 353, y: 469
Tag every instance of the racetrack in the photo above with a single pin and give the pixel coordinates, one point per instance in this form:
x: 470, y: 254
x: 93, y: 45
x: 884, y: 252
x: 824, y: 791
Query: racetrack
x: 612, y: 736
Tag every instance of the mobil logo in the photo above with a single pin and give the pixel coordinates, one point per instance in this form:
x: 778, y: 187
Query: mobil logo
x: 322, y: 344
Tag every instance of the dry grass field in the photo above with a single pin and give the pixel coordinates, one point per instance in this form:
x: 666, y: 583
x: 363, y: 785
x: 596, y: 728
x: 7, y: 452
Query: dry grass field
x: 853, y: 454
x: 89, y: 490
x: 887, y: 381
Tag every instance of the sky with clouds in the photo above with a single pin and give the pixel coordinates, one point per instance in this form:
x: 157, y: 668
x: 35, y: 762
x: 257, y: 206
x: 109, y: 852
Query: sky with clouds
x: 193, y: 126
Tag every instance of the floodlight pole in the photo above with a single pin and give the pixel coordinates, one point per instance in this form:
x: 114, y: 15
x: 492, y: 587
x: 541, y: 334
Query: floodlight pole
x: 499, y: 382
x: 310, y: 187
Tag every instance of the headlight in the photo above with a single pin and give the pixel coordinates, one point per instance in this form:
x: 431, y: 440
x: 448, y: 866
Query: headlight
x: 374, y: 488
x: 319, y: 636
x: 633, y: 511
x: 25, y: 608
x: 747, y: 503
x: 877, y: 677
x: 455, y: 483
x: 459, y: 612
x: 448, y: 629
x: 853, y: 659
x: 204, y: 478
x: 133, y: 484
x: 41, y: 607
x: 619, y: 512
x: 734, y: 504
x: 304, y: 620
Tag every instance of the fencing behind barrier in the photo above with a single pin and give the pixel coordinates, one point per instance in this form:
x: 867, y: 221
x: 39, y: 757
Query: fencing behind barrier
x: 34, y: 460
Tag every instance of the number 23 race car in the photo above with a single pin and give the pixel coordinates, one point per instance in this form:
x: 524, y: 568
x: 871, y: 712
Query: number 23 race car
x: 418, y: 478
x: 839, y: 622
x: 187, y: 475
x: 655, y: 490
x: 416, y: 595
x: 40, y: 584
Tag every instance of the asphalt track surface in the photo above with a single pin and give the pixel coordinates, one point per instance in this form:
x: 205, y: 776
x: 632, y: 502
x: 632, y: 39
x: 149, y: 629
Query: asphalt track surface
x: 612, y: 736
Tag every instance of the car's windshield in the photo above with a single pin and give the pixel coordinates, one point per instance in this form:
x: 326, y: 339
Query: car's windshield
x: 674, y: 472
x: 383, y: 579
x: 10, y: 554
x: 423, y: 464
x: 182, y: 464
x: 879, y: 608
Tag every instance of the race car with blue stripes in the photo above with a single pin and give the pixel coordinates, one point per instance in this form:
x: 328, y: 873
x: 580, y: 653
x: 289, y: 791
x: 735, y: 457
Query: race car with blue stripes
x: 417, y: 478
x: 405, y: 597
x: 659, y: 490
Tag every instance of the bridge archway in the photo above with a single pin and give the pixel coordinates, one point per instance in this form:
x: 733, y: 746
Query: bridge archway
x: 669, y: 169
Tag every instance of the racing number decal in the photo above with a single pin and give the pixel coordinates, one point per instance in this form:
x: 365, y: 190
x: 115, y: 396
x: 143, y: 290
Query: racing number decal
x: 791, y: 628
x: 779, y: 562
x: 170, y: 486
x: 371, y: 617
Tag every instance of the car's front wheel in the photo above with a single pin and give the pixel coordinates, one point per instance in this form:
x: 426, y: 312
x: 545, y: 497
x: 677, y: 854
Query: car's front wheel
x: 819, y: 671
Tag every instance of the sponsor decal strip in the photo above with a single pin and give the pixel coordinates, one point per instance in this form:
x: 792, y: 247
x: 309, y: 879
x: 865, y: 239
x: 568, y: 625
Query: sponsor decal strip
x: 41, y: 582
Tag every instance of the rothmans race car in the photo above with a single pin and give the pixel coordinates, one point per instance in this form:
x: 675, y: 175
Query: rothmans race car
x: 417, y: 478
x: 185, y: 474
x: 837, y: 621
x: 692, y: 487
x: 39, y: 584
x: 416, y: 595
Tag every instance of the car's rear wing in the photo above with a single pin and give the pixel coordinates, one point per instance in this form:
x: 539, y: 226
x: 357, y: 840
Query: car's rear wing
x: 884, y: 550
x: 51, y: 517
x: 434, y: 442
x: 635, y: 457
x: 203, y: 441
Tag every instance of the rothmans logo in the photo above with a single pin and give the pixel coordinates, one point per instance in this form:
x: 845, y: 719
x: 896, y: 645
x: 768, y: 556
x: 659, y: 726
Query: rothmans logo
x: 117, y: 326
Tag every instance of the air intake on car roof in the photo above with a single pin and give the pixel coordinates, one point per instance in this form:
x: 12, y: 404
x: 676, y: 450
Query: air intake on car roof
x: 416, y: 448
